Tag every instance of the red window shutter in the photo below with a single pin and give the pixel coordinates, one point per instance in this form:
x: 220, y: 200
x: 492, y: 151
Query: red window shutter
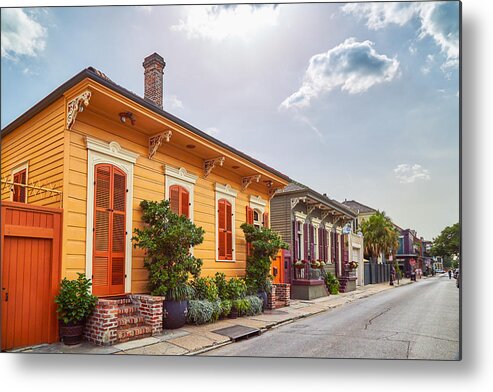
x: 109, y: 230
x: 221, y: 228
x: 20, y: 191
x: 184, y: 202
x: 266, y: 219
x: 174, y: 198
x: 249, y: 215
x: 249, y: 220
x: 229, y: 232
x: 326, y: 249
x: 312, y: 242
x: 320, y: 244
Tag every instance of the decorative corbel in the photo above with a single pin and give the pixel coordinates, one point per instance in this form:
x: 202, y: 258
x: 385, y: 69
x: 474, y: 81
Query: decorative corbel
x: 310, y: 209
x: 156, y: 141
x: 210, y: 164
x: 246, y: 181
x: 272, y: 192
x: 325, y: 214
x: 77, y: 105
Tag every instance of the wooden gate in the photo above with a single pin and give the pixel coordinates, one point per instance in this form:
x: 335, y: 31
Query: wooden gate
x: 31, y: 254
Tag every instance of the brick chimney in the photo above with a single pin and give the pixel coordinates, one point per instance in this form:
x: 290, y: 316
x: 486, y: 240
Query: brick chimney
x: 153, y: 79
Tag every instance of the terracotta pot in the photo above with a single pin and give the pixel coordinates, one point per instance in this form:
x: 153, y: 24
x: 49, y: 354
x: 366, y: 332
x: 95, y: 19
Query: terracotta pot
x: 71, y: 333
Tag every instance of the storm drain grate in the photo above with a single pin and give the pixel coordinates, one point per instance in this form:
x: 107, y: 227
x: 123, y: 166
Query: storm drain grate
x: 237, y: 332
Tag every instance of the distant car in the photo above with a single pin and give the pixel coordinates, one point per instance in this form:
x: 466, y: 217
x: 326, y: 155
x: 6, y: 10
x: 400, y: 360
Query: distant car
x: 439, y: 271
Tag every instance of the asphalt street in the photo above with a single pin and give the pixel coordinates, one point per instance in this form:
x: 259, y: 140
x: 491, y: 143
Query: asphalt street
x: 416, y: 321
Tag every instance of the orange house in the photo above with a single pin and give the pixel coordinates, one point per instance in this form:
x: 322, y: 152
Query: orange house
x: 92, y: 151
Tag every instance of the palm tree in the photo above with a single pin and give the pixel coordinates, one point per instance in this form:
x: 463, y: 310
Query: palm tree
x: 380, y: 236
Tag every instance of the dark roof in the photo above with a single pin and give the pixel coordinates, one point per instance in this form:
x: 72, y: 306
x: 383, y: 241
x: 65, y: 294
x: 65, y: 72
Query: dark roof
x: 295, y: 187
x: 101, y: 78
x: 357, y: 207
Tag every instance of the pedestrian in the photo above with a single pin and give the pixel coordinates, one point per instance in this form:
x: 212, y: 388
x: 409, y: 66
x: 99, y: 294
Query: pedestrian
x: 450, y: 274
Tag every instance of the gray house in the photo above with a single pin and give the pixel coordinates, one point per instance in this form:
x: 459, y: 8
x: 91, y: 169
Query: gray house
x: 312, y: 224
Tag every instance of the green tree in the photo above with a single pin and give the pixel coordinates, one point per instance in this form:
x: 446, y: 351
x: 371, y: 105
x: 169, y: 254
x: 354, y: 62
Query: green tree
x: 447, y: 244
x: 265, y: 244
x: 167, y: 239
x: 380, y: 236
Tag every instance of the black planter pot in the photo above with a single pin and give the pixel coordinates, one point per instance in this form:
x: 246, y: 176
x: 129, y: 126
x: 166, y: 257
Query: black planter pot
x: 71, y: 333
x: 175, y: 314
x: 263, y: 296
x: 233, y: 314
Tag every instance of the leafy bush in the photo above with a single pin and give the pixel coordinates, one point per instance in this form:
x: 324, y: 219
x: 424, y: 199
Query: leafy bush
x: 221, y: 284
x: 265, y: 245
x: 243, y: 306
x: 332, y: 283
x: 226, y: 306
x: 255, y: 305
x: 74, y: 301
x: 199, y: 312
x: 205, y: 288
x: 216, y: 310
x: 166, y: 239
x: 236, y: 289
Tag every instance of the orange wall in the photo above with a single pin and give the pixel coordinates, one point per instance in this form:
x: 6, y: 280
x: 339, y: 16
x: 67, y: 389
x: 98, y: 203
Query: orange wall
x: 39, y: 141
x: 148, y: 184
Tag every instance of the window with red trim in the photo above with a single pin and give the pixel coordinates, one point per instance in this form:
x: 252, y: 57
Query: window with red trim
x: 19, y: 192
x: 179, y: 200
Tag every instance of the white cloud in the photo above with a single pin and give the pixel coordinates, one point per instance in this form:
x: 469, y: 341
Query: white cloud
x: 218, y: 22
x: 21, y: 34
x: 407, y: 173
x: 427, y: 67
x: 439, y: 20
x: 380, y: 15
x: 173, y: 102
x: 353, y: 66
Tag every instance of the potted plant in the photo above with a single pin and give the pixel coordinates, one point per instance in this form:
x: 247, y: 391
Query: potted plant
x: 299, y: 264
x: 75, y: 304
x: 265, y: 244
x: 167, y: 239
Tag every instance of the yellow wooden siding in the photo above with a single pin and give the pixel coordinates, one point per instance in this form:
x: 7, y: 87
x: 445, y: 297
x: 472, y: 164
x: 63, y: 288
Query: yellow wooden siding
x: 149, y: 184
x: 39, y: 142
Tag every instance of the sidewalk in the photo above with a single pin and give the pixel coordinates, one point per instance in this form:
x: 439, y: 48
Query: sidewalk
x: 193, y: 340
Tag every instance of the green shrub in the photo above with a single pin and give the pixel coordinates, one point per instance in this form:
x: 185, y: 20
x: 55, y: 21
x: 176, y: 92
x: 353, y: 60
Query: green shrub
x: 236, y: 289
x: 265, y: 244
x: 74, y: 301
x: 199, y: 312
x: 216, y: 310
x: 226, y: 306
x: 167, y: 239
x: 221, y: 284
x: 243, y: 306
x: 332, y: 283
x: 205, y: 288
x: 255, y: 305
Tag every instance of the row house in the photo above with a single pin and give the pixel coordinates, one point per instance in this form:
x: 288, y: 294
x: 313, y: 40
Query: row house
x: 75, y: 168
x: 312, y: 224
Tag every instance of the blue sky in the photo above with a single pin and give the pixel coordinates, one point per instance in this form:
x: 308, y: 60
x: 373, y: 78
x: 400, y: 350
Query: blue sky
x: 358, y: 101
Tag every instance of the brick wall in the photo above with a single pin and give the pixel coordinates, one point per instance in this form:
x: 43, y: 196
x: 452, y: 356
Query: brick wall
x: 279, y: 296
x: 118, y: 320
x: 101, y: 326
x: 152, y: 309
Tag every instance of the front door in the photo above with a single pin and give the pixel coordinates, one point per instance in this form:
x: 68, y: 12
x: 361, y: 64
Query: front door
x: 108, y: 266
